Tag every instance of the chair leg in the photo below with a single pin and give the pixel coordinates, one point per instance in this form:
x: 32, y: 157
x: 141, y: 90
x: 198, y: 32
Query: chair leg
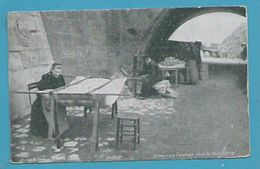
x: 121, y: 131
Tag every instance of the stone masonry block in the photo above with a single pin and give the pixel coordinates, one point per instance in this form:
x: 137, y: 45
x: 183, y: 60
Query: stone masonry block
x: 20, y: 79
x: 28, y: 20
x: 15, y: 61
x: 13, y: 43
x: 18, y: 102
x: 31, y: 41
x: 29, y: 59
x: 26, y: 31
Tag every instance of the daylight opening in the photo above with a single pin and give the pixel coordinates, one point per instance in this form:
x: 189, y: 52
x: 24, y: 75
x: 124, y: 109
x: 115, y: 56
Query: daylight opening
x: 211, y: 29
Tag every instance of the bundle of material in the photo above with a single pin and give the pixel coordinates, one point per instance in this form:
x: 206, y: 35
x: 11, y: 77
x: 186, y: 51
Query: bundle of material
x: 171, y: 61
x: 164, y: 88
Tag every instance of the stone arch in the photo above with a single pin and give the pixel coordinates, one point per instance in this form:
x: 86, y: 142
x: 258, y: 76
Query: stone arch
x: 171, y: 19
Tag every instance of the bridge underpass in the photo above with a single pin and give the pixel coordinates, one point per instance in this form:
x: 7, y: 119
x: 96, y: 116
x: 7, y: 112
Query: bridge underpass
x: 206, y: 120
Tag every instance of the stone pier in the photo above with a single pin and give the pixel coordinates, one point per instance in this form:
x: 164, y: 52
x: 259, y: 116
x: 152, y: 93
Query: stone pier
x: 29, y: 57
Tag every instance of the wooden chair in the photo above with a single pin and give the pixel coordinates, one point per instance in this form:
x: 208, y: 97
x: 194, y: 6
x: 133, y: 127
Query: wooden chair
x: 128, y: 126
x: 31, y: 86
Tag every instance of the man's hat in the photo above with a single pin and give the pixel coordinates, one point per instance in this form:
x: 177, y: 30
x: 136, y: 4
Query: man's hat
x: 146, y: 56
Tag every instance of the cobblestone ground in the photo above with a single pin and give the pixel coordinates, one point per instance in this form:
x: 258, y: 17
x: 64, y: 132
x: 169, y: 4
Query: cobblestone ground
x: 207, y: 120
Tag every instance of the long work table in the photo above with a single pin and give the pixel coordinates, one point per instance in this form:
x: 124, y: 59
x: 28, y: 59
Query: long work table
x: 93, y: 93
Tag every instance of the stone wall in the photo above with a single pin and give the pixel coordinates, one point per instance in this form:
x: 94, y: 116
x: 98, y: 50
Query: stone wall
x: 29, y: 58
x: 86, y: 42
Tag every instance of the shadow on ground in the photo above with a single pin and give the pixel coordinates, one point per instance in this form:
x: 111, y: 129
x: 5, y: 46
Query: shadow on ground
x: 207, y: 120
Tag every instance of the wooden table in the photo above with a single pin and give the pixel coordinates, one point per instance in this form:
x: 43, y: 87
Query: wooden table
x: 85, y: 93
x: 174, y: 68
x: 74, y: 99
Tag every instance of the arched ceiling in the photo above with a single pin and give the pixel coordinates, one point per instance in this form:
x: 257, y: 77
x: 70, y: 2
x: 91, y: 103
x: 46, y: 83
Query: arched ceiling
x: 171, y: 19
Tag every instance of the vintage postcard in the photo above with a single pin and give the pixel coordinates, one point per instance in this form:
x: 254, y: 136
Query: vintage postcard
x: 132, y: 84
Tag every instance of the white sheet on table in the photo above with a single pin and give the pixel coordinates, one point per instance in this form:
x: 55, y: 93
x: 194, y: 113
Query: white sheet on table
x: 109, y: 91
x: 113, y: 88
x: 85, y: 86
x: 77, y: 78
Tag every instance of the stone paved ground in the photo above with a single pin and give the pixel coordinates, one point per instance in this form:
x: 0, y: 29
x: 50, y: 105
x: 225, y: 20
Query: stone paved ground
x: 207, y: 120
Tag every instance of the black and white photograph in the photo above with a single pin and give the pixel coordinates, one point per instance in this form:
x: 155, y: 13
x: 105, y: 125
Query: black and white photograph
x: 128, y: 84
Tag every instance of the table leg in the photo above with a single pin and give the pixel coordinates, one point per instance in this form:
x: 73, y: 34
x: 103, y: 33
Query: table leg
x: 187, y: 75
x: 176, y: 77
x: 138, y: 130
x: 51, y: 128
x: 94, y: 138
x: 135, y: 125
x: 134, y: 88
x: 116, y: 112
x: 113, y: 111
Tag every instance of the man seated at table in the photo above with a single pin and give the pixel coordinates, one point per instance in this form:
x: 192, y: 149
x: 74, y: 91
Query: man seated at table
x: 41, y: 106
x: 152, y: 74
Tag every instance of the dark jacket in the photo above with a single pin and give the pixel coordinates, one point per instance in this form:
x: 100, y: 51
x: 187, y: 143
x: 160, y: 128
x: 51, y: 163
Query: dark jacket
x: 154, y: 75
x: 152, y: 69
x: 38, y: 123
x: 48, y: 81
